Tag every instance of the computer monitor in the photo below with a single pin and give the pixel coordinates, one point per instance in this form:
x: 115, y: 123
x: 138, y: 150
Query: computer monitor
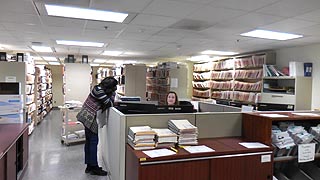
x: 10, y: 88
x: 147, y: 108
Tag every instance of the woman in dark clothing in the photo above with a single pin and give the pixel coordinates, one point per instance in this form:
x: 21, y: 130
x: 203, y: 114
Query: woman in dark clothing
x: 101, y: 97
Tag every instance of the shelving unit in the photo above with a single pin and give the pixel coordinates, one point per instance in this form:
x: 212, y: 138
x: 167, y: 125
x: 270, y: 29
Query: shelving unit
x: 287, y: 90
x: 232, y: 80
x: 23, y: 72
x: 44, y: 92
x: 72, y: 130
x: 257, y: 128
x: 131, y: 80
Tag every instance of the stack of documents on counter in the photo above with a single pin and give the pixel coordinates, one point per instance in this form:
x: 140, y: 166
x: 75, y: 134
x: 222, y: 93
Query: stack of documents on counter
x: 188, y: 133
x: 165, y: 138
x: 141, y: 137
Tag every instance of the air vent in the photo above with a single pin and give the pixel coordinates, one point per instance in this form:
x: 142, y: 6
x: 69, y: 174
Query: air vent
x: 193, y: 25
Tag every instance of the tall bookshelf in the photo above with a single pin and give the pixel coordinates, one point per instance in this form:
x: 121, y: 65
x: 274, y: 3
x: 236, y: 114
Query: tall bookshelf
x: 235, y: 80
x: 44, y: 92
x: 23, y: 72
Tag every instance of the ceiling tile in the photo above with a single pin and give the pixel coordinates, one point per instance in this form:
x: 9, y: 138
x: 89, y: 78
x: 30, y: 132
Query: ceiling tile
x: 214, y: 15
x: 134, y: 36
x: 23, y: 27
x: 309, y: 31
x: 19, y: 18
x: 121, y: 5
x: 62, y: 22
x: 17, y: 7
x: 153, y: 20
x: 99, y: 25
x: 171, y: 8
x: 290, y: 8
x: 310, y: 16
x: 196, y: 1
x: 288, y: 25
x: 157, y: 38
x: 102, y: 35
x: 243, y: 23
x: 248, y: 5
x: 142, y: 29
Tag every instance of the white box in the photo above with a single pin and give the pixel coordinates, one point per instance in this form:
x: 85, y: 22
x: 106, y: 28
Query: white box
x: 296, y: 68
x: 11, y: 118
x: 11, y: 104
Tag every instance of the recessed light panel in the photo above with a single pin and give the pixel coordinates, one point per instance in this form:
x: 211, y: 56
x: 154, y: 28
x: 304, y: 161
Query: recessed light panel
x: 271, y: 35
x: 82, y: 13
x: 79, y: 43
x: 112, y: 53
x: 41, y: 48
x: 221, y: 53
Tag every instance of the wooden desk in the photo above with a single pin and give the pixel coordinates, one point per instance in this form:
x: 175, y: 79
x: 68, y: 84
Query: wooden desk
x: 14, y: 150
x: 229, y: 161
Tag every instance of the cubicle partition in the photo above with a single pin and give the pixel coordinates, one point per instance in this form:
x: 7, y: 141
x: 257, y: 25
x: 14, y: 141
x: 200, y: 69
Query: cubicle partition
x: 113, y: 137
x: 210, y: 107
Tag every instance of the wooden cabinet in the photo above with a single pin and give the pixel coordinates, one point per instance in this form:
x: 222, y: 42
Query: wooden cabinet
x: 229, y: 161
x: 14, y: 151
x: 241, y: 168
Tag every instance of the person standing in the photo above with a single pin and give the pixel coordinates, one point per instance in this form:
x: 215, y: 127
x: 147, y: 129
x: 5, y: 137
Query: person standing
x: 101, y: 97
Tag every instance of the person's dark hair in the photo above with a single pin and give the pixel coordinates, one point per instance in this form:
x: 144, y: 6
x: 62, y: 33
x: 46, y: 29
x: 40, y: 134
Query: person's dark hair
x: 108, y: 83
x: 177, y: 100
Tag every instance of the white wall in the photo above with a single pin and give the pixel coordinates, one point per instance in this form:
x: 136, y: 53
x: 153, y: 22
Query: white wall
x: 78, y: 80
x: 310, y: 53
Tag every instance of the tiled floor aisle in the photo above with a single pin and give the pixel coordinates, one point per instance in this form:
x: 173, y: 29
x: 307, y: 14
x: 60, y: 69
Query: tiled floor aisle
x: 51, y: 160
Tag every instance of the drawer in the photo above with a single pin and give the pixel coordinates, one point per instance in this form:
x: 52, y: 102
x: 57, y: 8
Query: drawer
x: 278, y: 98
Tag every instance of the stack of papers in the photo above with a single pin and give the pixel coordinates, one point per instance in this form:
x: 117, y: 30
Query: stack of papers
x: 315, y: 131
x: 165, y: 138
x: 282, y: 140
x: 188, y: 133
x: 141, y: 137
x: 300, y: 135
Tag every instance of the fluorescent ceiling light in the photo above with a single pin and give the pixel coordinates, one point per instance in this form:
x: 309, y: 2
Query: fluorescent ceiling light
x: 199, y: 58
x: 132, y: 53
x: 79, y: 43
x: 41, y: 62
x: 222, y: 53
x: 99, y: 61
x: 42, y: 48
x: 93, y: 64
x: 82, y: 13
x: 112, y: 53
x: 54, y: 63
x: 271, y: 35
x: 49, y: 58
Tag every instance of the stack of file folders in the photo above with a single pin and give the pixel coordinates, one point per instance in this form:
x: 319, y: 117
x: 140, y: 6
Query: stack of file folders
x: 315, y: 131
x: 187, y: 133
x: 300, y: 135
x: 141, y: 137
x: 165, y: 138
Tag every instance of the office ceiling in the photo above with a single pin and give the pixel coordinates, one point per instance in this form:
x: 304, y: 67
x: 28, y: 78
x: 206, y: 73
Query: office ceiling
x: 159, y: 28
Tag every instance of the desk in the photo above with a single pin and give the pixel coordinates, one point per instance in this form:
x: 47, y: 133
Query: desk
x: 229, y: 161
x: 14, y: 150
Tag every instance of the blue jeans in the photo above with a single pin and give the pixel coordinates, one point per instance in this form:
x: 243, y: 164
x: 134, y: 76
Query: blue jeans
x: 91, y: 148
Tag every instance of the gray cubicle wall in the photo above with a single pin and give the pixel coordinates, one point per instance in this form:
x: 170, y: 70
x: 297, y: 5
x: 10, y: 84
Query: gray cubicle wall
x: 219, y: 124
x: 210, y: 107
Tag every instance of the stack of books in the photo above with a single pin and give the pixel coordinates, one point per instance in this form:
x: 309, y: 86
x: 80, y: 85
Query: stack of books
x: 141, y: 137
x: 165, y: 138
x: 187, y: 133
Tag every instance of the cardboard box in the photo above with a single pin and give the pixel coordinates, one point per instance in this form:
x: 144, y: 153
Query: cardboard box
x: 11, y: 118
x: 11, y: 104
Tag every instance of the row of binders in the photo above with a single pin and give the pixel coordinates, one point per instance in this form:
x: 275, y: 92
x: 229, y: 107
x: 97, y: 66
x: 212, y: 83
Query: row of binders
x: 180, y: 132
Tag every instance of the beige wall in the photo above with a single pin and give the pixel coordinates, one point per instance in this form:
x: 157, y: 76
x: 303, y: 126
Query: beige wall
x: 57, y: 84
